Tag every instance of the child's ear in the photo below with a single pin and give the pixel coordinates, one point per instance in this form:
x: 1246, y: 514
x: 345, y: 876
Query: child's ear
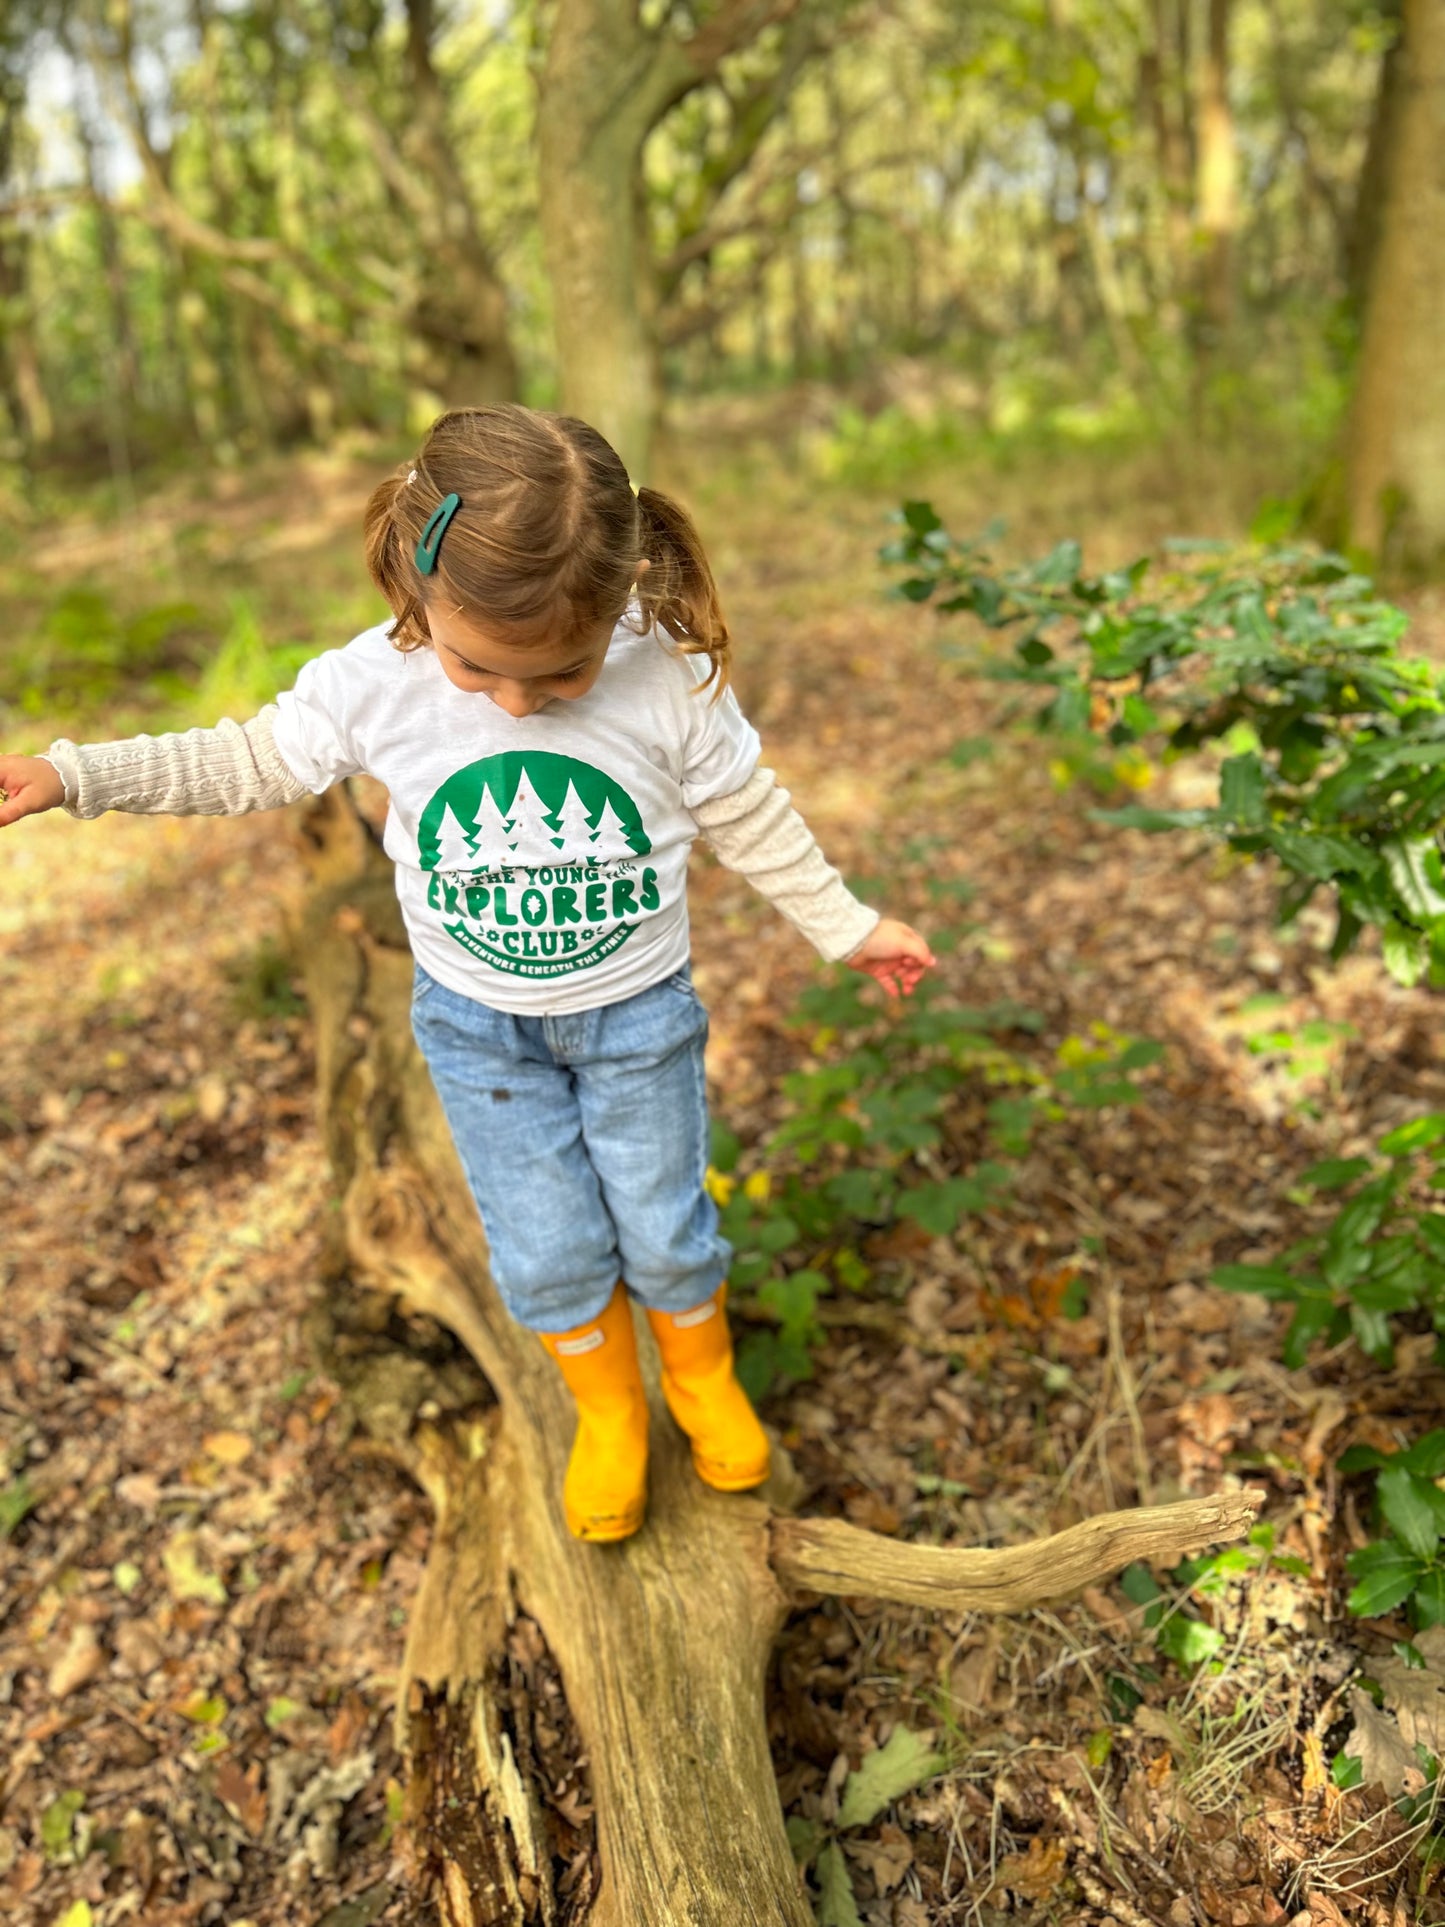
x: 640, y: 571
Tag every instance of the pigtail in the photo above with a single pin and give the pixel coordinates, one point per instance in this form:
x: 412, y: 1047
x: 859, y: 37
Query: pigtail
x: 389, y: 562
x: 678, y: 593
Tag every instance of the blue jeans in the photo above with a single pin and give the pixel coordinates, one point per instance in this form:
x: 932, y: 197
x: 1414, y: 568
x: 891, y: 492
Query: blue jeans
x: 584, y: 1139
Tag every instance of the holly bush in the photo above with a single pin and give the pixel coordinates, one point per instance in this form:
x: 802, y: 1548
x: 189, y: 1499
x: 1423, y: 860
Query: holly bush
x: 1285, y: 659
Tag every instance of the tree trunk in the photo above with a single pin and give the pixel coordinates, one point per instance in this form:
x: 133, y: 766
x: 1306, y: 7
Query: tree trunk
x: 607, y: 81
x: 592, y: 119
x: 20, y: 372
x: 20, y: 366
x: 1217, y: 189
x: 1362, y: 239
x: 663, y: 1641
x: 1163, y: 99
x: 1395, y: 445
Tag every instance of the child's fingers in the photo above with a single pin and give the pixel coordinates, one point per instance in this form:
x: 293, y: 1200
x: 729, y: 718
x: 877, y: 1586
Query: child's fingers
x: 23, y: 799
x: 14, y: 806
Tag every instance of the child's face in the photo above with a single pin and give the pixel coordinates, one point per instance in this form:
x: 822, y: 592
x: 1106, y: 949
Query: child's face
x: 518, y: 680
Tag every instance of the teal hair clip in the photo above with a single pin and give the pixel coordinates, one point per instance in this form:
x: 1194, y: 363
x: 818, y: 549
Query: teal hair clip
x: 436, y: 528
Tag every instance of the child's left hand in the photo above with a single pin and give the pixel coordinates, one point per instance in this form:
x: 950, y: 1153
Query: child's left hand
x: 896, y: 955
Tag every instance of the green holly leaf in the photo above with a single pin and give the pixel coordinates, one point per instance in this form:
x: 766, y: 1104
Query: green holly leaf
x: 1413, y: 864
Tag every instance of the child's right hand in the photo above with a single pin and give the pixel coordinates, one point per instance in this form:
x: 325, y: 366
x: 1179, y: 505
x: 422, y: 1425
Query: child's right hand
x: 28, y: 784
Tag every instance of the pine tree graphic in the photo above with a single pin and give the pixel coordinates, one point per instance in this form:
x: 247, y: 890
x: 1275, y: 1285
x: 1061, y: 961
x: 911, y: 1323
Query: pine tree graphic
x: 456, y: 850
x: 612, y: 842
x: 574, y: 823
x: 493, y: 829
x: 533, y: 838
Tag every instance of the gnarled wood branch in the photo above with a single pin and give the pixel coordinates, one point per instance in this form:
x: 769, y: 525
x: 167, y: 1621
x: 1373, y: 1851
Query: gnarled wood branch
x: 827, y: 1555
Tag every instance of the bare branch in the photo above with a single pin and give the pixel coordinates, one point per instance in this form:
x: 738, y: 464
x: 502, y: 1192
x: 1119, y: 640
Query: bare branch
x: 678, y: 66
x: 828, y: 1556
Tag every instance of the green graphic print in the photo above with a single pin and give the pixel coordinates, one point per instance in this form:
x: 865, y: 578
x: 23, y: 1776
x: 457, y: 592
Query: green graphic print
x: 535, y: 862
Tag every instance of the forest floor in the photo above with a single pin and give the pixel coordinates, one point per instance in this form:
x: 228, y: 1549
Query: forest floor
x: 206, y: 1563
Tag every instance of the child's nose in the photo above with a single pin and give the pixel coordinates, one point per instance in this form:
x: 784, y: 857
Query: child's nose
x: 516, y: 698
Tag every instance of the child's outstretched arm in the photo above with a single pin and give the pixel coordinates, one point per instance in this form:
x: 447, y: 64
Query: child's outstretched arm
x: 225, y: 771
x: 757, y: 832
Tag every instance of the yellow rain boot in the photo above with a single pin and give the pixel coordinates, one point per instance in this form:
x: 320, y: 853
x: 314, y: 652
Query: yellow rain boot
x: 729, y: 1446
x: 605, y: 1493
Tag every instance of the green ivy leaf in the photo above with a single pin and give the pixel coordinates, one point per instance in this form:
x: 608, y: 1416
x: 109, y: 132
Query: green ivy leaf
x: 904, y: 1763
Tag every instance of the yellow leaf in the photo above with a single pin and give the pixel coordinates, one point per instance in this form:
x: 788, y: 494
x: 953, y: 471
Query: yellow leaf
x: 229, y: 1447
x: 1036, y: 1874
x: 185, y: 1574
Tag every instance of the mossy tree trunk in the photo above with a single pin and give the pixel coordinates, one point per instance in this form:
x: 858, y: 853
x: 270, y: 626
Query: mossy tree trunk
x: 662, y: 1642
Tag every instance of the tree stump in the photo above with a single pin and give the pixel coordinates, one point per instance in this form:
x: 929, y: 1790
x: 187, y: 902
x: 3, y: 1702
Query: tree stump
x: 662, y: 1641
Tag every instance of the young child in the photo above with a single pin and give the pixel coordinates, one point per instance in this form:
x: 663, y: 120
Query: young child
x: 549, y: 711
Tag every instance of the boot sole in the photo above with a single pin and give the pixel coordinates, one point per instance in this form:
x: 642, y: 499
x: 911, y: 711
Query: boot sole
x: 604, y: 1532
x: 724, y: 1481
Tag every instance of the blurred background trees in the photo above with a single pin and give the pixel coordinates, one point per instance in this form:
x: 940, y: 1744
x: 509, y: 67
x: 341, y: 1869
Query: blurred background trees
x: 226, y: 228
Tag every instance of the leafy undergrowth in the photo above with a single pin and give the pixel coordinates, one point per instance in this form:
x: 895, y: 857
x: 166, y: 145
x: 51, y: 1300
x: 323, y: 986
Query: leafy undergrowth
x: 208, y: 1564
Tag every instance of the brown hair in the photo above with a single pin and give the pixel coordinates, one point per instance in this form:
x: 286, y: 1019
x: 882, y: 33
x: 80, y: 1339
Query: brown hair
x: 546, y: 540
